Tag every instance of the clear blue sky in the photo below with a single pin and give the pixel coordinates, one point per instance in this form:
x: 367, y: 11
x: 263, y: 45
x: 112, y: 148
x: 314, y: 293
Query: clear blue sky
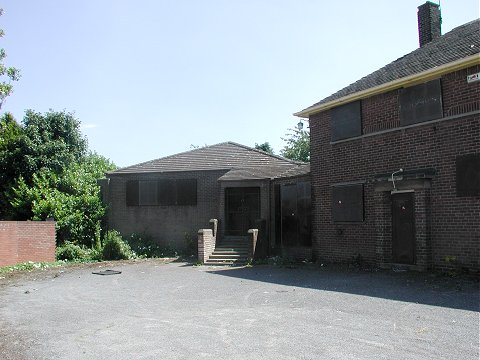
x: 150, y: 78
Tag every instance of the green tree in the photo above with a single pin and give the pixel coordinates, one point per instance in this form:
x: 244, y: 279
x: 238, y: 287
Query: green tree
x: 52, y: 140
x: 264, y: 147
x: 297, y: 145
x: 7, y: 74
x: 72, y: 198
x: 10, y: 133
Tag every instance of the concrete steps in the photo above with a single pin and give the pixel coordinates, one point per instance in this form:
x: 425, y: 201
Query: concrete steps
x: 230, y: 251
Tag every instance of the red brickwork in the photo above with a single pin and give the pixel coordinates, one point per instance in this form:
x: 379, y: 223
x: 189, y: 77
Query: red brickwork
x: 22, y: 241
x: 447, y: 226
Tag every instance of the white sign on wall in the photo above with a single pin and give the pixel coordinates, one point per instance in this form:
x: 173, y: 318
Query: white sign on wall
x: 473, y: 78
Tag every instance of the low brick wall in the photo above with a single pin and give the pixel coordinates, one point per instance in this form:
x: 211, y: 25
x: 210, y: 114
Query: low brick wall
x: 22, y: 241
x: 206, y: 244
x: 207, y: 239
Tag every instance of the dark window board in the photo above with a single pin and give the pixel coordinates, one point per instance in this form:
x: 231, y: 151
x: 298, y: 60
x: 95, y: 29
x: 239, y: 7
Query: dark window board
x: 166, y: 192
x: 186, y: 192
x: 346, y: 121
x: 468, y: 175
x: 163, y: 192
x: 147, y: 192
x: 347, y: 203
x: 132, y: 193
x: 421, y: 103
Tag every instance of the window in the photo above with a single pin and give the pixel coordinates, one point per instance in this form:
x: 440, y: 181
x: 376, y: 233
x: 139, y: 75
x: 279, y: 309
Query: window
x: 147, y: 192
x: 421, y: 103
x: 162, y: 192
x: 132, y: 193
x: 177, y: 192
x: 347, y: 203
x: 167, y: 192
x: 186, y: 190
x: 346, y: 121
x: 468, y: 175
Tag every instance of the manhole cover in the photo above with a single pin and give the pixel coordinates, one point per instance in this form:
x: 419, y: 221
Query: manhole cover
x: 107, y: 272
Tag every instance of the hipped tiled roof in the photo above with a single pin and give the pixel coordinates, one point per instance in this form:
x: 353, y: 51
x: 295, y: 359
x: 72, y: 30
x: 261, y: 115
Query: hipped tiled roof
x: 459, y: 43
x: 224, y: 156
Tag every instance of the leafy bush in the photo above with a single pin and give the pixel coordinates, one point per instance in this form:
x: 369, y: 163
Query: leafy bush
x: 144, y: 245
x: 72, y: 252
x: 191, y: 244
x: 72, y: 198
x: 115, y: 248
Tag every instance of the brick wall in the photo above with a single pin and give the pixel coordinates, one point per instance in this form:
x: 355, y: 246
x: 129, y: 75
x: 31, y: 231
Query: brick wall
x: 168, y: 225
x: 449, y: 224
x: 22, y: 241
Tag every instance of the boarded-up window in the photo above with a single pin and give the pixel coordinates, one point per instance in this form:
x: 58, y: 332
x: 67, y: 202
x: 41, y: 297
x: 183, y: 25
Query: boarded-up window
x: 147, y: 192
x: 347, y: 203
x: 166, y: 192
x: 186, y: 192
x: 468, y: 175
x: 421, y: 103
x: 177, y: 192
x: 132, y: 193
x: 346, y: 121
x: 163, y: 192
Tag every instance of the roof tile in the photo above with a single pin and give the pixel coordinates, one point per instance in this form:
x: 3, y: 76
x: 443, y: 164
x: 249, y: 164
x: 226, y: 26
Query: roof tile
x: 224, y: 156
x: 457, y: 44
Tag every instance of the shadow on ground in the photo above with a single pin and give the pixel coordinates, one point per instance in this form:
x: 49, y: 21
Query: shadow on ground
x: 457, y: 292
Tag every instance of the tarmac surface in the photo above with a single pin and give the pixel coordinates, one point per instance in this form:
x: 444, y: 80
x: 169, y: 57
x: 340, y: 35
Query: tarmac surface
x: 154, y: 310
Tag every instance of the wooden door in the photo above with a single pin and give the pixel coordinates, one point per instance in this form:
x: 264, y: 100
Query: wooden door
x: 403, y: 228
x: 242, y: 208
x: 296, y: 214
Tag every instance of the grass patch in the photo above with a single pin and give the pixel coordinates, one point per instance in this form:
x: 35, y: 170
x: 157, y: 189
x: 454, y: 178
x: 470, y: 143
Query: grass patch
x: 30, y: 265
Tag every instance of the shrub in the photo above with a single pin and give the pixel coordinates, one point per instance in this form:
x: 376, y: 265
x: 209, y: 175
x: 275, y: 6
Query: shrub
x: 144, y: 245
x: 71, y: 252
x: 115, y: 248
x: 191, y: 248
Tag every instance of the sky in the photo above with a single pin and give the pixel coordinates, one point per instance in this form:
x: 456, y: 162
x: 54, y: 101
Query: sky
x: 151, y: 78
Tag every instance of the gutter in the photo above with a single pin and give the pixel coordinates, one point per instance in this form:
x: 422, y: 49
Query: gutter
x: 410, y: 80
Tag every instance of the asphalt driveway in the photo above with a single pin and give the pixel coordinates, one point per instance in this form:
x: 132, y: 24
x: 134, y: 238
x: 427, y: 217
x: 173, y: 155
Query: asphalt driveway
x: 178, y: 311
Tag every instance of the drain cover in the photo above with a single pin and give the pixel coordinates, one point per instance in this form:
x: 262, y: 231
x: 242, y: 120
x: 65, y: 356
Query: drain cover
x: 107, y: 272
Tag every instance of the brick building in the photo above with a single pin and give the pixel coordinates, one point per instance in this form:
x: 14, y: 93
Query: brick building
x: 171, y: 198
x: 395, y: 157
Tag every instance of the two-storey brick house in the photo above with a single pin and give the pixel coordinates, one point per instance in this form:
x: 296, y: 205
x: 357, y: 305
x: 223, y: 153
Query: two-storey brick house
x: 395, y: 157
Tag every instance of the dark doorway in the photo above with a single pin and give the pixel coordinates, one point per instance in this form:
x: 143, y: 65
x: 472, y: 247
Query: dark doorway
x: 403, y: 228
x: 296, y: 214
x: 242, y: 208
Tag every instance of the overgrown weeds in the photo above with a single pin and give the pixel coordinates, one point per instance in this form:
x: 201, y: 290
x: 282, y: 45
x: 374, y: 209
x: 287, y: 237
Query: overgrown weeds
x: 30, y: 265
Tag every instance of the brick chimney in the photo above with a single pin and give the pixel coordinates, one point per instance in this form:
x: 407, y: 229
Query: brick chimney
x: 429, y: 22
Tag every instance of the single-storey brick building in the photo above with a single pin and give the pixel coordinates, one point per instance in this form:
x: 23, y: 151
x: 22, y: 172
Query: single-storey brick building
x: 395, y: 157
x: 243, y: 188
